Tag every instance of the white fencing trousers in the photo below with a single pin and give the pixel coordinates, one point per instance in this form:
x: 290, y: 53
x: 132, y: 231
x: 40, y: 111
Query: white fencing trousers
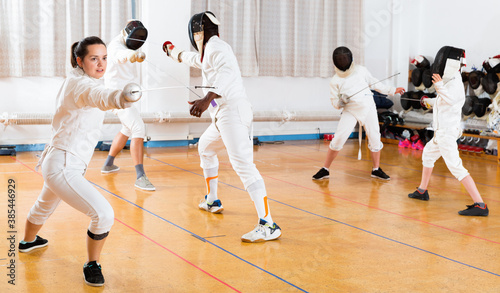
x: 346, y: 125
x: 63, y: 175
x: 232, y: 124
x: 444, y: 144
x: 132, y: 124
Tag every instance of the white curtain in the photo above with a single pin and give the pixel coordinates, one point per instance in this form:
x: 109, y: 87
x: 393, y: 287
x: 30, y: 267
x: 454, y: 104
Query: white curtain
x: 36, y: 35
x: 288, y: 37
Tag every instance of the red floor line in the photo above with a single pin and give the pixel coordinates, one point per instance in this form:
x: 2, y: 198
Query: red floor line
x: 185, y: 260
x: 26, y: 166
x: 375, y: 208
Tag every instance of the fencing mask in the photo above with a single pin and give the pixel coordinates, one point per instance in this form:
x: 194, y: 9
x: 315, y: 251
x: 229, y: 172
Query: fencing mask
x: 492, y: 64
x: 416, y: 78
x: 134, y: 34
x: 475, y: 79
x: 427, y: 78
x: 405, y: 101
x: 198, y: 24
x: 468, y: 107
x: 481, y: 106
x: 342, y: 58
x: 448, y: 61
x: 490, y: 82
x: 421, y: 62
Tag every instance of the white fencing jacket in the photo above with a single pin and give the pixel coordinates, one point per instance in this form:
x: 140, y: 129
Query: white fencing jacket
x: 219, y: 69
x: 76, y: 126
x: 447, y: 106
x: 356, y: 78
x: 120, y: 71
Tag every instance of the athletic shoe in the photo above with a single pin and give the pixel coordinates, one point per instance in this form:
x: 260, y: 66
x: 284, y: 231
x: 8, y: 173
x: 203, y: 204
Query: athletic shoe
x: 109, y: 169
x: 323, y: 173
x: 39, y: 242
x: 262, y: 232
x: 417, y: 145
x: 418, y: 195
x: 213, y: 207
x: 379, y: 174
x: 404, y: 143
x: 92, y: 274
x: 475, y: 210
x: 144, y: 184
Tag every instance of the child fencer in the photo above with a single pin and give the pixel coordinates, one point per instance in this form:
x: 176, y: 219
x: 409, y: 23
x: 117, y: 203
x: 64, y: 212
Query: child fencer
x: 447, y: 114
x: 350, y: 91
x: 232, y: 117
x: 76, y: 129
x: 122, y: 69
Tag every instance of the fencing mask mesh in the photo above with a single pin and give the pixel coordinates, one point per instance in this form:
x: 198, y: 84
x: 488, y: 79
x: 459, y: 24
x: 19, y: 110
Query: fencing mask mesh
x: 342, y: 58
x: 135, y: 34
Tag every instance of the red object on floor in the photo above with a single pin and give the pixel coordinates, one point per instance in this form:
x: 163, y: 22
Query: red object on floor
x: 404, y: 143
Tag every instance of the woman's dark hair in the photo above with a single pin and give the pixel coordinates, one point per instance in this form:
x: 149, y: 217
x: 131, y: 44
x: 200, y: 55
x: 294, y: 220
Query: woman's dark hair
x: 80, y: 49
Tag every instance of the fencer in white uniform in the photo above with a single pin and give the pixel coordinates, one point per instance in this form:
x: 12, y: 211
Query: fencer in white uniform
x: 124, y: 60
x: 76, y: 129
x: 350, y: 91
x: 232, y: 117
x: 447, y: 115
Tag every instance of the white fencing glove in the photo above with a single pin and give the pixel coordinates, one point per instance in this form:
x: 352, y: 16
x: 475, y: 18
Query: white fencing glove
x: 172, y: 51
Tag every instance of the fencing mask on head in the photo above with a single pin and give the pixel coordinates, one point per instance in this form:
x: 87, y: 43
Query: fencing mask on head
x: 198, y: 24
x: 134, y: 34
x: 342, y: 58
x: 448, y: 61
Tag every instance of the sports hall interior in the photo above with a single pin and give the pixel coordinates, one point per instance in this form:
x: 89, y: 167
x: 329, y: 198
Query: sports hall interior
x: 348, y: 233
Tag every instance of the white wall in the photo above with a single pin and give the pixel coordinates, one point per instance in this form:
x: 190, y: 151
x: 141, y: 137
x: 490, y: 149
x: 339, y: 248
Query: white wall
x: 471, y: 25
x: 394, y: 32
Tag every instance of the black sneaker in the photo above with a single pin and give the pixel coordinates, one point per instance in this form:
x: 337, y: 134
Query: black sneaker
x: 92, y: 274
x: 322, y: 174
x: 418, y: 195
x: 475, y: 210
x: 380, y: 174
x: 29, y: 246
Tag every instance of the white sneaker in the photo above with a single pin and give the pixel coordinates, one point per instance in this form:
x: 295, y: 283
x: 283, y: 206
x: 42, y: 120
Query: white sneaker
x: 144, y: 184
x: 214, y: 207
x: 109, y: 169
x: 262, y: 232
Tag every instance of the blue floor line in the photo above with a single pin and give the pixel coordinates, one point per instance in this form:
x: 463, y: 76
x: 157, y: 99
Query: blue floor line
x: 349, y: 225
x: 197, y: 236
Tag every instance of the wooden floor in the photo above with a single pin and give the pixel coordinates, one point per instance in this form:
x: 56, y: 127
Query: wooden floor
x: 351, y: 233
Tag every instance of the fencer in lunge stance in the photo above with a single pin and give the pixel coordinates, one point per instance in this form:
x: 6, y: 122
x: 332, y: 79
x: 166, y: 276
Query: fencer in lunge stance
x: 123, y: 67
x: 447, y: 114
x: 232, y: 117
x: 76, y: 129
x: 350, y: 91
